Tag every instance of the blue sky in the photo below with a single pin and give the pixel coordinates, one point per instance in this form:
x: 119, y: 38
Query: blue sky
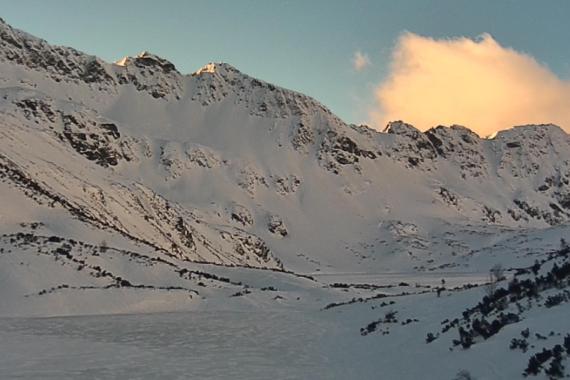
x: 304, y: 45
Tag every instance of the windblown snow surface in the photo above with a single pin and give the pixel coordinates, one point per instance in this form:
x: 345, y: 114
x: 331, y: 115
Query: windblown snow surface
x: 212, y: 225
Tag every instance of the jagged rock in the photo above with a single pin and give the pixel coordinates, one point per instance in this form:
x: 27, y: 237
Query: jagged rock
x: 276, y: 226
x: 150, y: 73
x: 202, y: 156
x: 337, y: 149
x: 448, y: 197
x: 462, y: 146
x: 411, y: 146
x: 95, y: 142
x: 286, y: 185
x: 241, y: 215
x: 303, y: 137
x: 250, y: 248
x: 249, y: 179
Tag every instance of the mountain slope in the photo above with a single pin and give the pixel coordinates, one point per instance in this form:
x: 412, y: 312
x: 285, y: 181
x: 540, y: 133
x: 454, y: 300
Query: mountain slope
x: 219, y: 167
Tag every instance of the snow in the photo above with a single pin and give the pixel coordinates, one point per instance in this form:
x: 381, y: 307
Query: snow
x: 256, y: 344
x: 131, y: 191
x: 209, y: 68
x: 225, y: 345
x: 123, y: 61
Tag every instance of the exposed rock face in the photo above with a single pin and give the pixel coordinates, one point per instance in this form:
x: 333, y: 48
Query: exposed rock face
x: 250, y: 248
x: 340, y: 150
x: 150, y: 73
x: 203, y: 157
x: 146, y: 72
x: 286, y: 185
x: 96, y: 142
x: 217, y: 81
x: 59, y: 63
x: 90, y: 135
x: 180, y: 159
x: 250, y: 178
x: 241, y: 215
x: 411, y: 146
x: 276, y: 226
x: 461, y: 145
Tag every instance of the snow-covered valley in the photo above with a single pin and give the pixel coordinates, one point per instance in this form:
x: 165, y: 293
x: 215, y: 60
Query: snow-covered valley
x: 161, y: 225
x: 383, y: 331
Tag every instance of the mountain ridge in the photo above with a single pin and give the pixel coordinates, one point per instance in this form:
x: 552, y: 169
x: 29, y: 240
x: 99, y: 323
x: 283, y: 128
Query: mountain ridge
x: 222, y: 168
x: 149, y: 59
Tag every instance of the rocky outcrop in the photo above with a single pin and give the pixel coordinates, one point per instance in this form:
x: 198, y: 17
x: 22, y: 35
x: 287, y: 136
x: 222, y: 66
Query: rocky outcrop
x: 241, y: 215
x: 151, y: 74
x: 276, y: 226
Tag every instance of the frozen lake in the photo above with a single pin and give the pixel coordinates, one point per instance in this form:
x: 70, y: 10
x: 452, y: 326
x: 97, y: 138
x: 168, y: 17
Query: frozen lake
x: 200, y: 345
x: 262, y: 344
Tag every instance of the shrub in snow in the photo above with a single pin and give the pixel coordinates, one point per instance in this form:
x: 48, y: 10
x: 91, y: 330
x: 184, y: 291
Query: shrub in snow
x: 431, y: 337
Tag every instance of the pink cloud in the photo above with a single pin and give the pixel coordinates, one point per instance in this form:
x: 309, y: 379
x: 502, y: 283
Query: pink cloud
x: 476, y: 83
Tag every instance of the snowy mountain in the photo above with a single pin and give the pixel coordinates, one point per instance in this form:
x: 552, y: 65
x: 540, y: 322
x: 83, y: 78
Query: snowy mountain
x: 223, y: 168
x: 130, y: 187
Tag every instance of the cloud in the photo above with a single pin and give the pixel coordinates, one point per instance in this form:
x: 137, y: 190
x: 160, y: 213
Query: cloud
x: 360, y: 61
x: 476, y: 83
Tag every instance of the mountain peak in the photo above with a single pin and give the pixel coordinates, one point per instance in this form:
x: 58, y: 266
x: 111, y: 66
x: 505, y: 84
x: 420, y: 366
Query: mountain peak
x: 399, y: 127
x: 123, y: 61
x: 209, y: 68
x: 146, y: 59
x: 4, y: 25
x: 531, y: 131
x: 215, y: 67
